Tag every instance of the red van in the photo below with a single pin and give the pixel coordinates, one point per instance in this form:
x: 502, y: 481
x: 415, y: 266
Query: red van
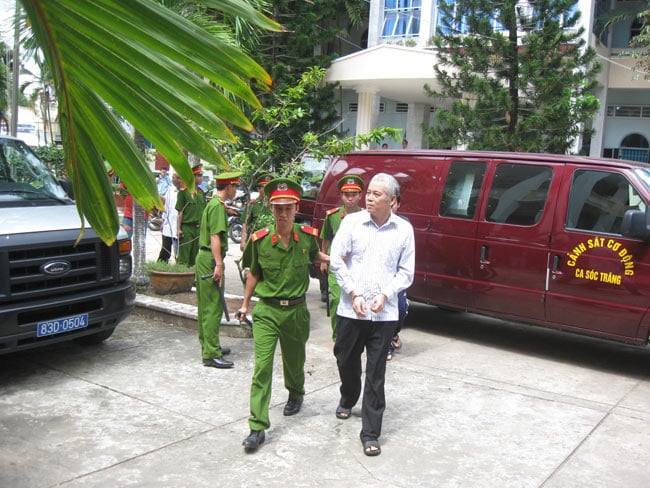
x: 558, y: 241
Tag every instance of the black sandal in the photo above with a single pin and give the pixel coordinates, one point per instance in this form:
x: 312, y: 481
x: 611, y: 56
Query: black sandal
x: 371, y: 448
x: 343, y: 413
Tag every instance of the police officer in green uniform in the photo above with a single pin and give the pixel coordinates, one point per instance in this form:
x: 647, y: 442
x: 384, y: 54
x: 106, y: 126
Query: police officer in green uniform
x: 279, y: 275
x: 213, y: 244
x: 190, y: 209
x: 257, y: 215
x: 350, y: 187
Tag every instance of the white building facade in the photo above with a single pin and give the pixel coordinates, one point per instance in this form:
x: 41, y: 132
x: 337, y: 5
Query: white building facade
x: 383, y: 84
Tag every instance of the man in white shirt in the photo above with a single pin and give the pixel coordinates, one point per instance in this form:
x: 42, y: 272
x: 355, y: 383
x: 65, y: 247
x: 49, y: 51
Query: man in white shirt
x: 373, y: 259
x: 170, y: 221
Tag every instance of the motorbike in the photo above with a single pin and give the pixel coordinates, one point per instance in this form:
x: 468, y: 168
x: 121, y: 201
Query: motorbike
x: 155, y: 221
x: 234, y: 221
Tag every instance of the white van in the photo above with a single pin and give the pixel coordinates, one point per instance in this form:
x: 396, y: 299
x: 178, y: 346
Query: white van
x: 53, y: 288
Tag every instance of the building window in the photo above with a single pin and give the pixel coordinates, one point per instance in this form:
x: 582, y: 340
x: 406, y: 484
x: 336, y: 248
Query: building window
x: 452, y: 19
x: 401, y: 18
x: 600, y: 10
x: 634, y: 147
x: 353, y: 107
x: 628, y: 111
x: 453, y: 22
x: 635, y: 28
x: 401, y: 108
x: 382, y: 107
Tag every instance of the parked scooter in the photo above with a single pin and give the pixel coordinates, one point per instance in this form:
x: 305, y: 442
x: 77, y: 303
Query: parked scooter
x: 155, y: 221
x: 234, y: 221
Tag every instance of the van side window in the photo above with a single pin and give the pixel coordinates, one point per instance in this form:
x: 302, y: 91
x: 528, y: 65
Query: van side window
x: 462, y: 189
x: 598, y: 201
x: 518, y: 194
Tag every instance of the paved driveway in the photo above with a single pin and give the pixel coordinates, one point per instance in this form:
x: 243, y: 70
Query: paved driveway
x: 472, y: 402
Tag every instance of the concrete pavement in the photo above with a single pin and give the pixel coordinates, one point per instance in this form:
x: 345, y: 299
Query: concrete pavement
x: 472, y: 402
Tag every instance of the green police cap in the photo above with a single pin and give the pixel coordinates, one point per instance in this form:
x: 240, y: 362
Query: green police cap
x: 283, y: 191
x: 263, y: 179
x: 350, y: 183
x: 228, y: 178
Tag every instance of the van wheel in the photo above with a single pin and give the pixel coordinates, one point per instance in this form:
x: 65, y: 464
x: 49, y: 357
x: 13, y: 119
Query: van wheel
x: 94, y: 339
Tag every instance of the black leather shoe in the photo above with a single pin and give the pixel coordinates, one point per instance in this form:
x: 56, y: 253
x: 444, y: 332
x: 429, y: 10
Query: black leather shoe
x: 254, y: 440
x: 225, y: 350
x: 292, y: 407
x: 220, y: 363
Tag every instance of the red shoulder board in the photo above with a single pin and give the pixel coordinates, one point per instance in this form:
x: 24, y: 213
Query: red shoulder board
x: 309, y: 230
x: 259, y: 234
x: 332, y: 210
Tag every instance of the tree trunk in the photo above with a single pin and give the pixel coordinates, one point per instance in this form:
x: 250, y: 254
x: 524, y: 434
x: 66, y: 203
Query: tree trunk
x: 45, y: 101
x: 193, y: 159
x: 139, y: 230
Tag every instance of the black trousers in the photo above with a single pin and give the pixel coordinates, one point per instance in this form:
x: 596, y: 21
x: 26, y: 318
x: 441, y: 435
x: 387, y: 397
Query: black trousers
x: 352, y: 337
x: 166, y: 249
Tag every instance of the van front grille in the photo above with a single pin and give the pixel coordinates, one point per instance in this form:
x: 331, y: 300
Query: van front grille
x: 82, y: 266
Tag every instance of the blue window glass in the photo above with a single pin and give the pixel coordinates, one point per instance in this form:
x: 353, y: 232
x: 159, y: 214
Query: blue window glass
x: 456, y: 24
x: 401, y: 18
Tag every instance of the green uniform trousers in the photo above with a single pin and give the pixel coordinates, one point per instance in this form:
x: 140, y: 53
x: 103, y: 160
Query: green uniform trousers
x: 335, y: 296
x: 210, y: 308
x: 291, y: 326
x: 188, y: 245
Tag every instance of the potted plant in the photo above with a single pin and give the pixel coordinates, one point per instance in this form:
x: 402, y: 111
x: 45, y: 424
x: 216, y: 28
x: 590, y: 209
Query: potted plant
x: 168, y: 278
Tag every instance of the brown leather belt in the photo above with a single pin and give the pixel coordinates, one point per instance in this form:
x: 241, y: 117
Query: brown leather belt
x: 284, y: 302
x: 191, y: 224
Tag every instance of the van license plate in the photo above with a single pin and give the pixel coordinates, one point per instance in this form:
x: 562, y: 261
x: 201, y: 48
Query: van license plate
x: 58, y: 326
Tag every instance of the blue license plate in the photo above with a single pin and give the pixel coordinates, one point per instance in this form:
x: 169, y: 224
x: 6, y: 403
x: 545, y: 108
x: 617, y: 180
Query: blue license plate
x: 58, y: 326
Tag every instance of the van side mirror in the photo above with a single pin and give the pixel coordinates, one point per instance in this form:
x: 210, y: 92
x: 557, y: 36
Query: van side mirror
x: 636, y: 224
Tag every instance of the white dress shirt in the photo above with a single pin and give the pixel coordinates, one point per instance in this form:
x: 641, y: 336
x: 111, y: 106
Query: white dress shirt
x: 370, y: 260
x: 170, y: 216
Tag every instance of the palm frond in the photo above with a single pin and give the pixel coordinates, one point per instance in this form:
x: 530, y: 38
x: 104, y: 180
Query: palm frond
x: 162, y: 73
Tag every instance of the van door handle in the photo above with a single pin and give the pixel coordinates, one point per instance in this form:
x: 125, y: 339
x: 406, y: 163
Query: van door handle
x: 483, y: 259
x: 556, y: 265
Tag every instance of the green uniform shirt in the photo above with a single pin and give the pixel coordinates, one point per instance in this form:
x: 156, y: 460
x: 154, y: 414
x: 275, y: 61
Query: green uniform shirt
x: 192, y: 206
x: 331, y: 225
x: 282, y: 272
x: 260, y: 216
x: 213, y: 222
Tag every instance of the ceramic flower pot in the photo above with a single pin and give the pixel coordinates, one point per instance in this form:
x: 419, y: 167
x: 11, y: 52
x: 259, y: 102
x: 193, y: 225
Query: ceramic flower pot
x: 167, y: 283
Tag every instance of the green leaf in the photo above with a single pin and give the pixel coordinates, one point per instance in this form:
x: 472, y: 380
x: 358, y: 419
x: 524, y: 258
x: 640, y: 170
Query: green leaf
x: 163, y: 74
x: 244, y: 11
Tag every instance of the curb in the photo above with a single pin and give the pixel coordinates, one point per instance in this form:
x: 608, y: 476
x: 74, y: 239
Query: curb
x: 183, y: 315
